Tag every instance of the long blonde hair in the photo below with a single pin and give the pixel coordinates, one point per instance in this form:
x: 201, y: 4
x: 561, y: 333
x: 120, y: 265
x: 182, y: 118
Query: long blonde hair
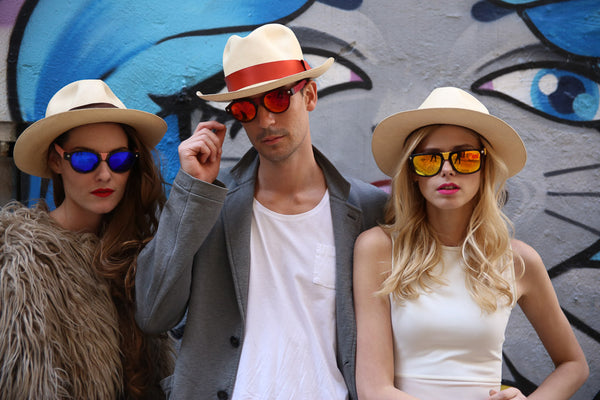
x: 417, y: 250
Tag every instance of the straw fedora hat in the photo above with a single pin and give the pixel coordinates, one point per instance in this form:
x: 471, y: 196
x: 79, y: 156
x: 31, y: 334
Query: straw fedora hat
x: 79, y: 103
x: 268, y: 58
x: 451, y: 106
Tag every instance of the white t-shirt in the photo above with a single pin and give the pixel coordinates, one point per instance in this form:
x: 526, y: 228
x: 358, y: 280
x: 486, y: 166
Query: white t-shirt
x: 289, y: 346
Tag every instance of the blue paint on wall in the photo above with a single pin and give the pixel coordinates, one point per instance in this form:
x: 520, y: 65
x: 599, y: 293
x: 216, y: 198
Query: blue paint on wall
x: 573, y: 97
x: 572, y: 26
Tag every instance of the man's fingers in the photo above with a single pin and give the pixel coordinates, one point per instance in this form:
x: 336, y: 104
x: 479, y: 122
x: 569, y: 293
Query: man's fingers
x: 200, y: 154
x: 215, y: 127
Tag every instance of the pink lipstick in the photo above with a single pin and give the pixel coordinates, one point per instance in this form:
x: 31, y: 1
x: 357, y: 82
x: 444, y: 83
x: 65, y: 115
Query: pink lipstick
x: 448, y: 188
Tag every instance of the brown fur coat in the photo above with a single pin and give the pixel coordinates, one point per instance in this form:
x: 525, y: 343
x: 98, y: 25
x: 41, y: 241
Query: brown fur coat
x: 59, y: 335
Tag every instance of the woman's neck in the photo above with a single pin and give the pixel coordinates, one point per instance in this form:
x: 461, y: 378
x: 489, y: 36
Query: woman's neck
x: 76, y: 220
x: 450, y: 226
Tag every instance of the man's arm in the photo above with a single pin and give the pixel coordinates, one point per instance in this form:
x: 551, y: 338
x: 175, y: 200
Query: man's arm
x: 164, y: 267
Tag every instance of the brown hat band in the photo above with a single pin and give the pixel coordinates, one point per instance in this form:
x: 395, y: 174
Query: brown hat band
x: 94, y: 105
x: 264, y: 73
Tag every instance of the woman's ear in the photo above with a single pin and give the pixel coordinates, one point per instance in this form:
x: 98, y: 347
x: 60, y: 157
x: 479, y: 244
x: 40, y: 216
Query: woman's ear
x: 413, y: 176
x: 54, y: 162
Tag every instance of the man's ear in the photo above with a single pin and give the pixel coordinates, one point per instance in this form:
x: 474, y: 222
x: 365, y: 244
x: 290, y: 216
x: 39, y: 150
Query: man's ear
x: 310, y: 95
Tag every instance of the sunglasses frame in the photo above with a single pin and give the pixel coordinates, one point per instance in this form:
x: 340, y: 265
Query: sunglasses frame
x: 261, y: 100
x: 447, y: 156
x: 100, y: 157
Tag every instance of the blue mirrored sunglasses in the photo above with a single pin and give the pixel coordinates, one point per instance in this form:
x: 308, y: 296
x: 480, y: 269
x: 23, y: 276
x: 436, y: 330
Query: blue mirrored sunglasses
x: 85, y: 161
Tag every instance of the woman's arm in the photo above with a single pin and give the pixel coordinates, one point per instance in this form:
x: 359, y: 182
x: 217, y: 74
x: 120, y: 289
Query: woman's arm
x: 538, y: 301
x: 375, y: 347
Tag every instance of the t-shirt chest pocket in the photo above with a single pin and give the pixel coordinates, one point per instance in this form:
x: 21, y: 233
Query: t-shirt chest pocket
x: 324, y: 266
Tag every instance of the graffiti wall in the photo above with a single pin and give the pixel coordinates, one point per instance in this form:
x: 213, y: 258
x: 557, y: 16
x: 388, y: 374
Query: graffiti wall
x: 534, y: 63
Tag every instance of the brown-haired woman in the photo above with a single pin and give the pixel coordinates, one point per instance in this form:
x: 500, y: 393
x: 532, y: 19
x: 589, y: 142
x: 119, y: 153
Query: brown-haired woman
x: 67, y: 275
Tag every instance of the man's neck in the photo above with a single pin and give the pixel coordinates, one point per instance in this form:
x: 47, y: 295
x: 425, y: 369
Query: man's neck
x: 292, y: 186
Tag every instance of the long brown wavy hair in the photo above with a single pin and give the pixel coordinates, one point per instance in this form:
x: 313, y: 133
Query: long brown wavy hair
x: 416, y: 248
x: 123, y: 233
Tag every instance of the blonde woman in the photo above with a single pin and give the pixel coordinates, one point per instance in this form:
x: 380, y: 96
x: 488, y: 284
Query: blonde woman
x: 435, y: 284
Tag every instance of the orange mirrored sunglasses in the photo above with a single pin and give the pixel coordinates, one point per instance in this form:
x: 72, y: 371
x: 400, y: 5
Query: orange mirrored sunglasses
x: 462, y: 161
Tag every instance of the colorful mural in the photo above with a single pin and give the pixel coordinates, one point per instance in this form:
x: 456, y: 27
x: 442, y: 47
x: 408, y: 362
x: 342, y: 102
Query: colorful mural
x: 534, y: 63
x: 158, y: 57
x: 559, y: 81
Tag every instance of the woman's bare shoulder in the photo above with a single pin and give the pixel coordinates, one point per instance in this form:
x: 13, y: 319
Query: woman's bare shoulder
x: 375, y: 236
x: 373, y: 245
x: 528, y: 265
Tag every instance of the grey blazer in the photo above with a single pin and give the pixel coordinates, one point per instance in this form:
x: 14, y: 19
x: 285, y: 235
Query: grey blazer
x: 199, y: 261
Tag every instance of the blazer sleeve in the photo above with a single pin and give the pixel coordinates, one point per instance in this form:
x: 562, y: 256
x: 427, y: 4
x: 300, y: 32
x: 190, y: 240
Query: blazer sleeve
x: 164, y: 266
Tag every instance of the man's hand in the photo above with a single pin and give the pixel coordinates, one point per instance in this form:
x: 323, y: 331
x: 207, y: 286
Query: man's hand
x: 200, y: 154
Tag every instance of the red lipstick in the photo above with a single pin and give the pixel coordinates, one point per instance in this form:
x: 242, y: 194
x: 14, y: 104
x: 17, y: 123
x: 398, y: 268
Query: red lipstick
x: 103, y: 192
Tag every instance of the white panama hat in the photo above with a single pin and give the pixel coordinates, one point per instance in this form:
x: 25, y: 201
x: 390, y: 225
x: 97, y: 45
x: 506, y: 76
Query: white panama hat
x: 268, y: 58
x: 79, y: 103
x: 451, y: 106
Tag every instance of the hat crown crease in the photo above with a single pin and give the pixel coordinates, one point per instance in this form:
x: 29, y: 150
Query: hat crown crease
x: 80, y: 95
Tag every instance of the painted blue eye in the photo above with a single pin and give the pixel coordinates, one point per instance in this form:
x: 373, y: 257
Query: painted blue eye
x: 565, y: 95
x: 548, y: 90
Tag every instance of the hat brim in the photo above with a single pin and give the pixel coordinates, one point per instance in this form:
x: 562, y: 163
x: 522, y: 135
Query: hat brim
x: 262, y: 87
x: 31, y: 148
x: 390, y: 134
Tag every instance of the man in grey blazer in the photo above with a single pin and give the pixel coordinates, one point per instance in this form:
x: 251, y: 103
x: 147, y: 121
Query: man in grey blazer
x: 263, y: 264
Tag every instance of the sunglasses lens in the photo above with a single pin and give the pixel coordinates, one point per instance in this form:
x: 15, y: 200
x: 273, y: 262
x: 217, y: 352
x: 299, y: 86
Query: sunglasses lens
x: 84, y: 161
x: 277, y: 101
x: 243, y: 111
x: 464, y: 162
x: 427, y: 164
x: 121, y: 161
x: 467, y: 162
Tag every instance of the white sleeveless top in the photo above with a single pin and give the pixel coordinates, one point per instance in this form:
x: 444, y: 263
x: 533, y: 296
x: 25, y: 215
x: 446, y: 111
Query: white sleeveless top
x: 445, y: 346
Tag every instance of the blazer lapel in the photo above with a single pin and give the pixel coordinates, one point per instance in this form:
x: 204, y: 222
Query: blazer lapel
x: 346, y: 227
x: 237, y: 216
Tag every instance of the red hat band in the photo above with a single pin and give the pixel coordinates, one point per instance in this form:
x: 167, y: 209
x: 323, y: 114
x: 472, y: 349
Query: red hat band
x: 264, y: 72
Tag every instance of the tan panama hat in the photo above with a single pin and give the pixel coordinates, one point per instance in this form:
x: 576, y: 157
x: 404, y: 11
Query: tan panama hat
x: 268, y: 58
x: 80, y: 103
x: 452, y: 106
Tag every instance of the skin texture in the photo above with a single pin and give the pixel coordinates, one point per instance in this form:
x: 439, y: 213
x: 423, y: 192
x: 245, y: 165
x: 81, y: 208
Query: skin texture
x: 449, y: 215
x: 81, y: 209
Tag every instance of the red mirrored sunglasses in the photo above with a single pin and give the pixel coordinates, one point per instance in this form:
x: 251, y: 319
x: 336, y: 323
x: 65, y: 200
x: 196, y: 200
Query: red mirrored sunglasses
x: 275, y: 101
